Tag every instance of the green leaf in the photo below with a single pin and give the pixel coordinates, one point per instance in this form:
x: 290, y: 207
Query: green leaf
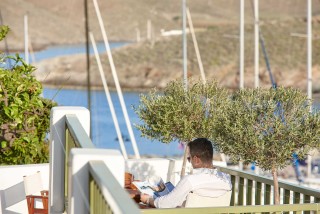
x: 3, y: 31
x: 7, y: 111
x: 3, y: 144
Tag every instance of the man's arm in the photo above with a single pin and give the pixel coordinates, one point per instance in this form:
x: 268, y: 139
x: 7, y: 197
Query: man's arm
x: 171, y: 200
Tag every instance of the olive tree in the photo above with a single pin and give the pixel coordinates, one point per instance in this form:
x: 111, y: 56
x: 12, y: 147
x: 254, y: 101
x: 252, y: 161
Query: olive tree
x: 24, y: 114
x: 179, y: 114
x: 267, y: 126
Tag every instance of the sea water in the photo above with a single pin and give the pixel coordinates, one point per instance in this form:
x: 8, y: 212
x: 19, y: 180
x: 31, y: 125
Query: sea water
x: 103, y: 132
x: 67, y: 50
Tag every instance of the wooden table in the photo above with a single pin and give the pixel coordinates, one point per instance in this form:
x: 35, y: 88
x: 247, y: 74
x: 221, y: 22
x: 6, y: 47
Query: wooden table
x: 134, y: 194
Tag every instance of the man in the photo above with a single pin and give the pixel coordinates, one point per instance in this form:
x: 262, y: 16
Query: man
x: 205, y: 180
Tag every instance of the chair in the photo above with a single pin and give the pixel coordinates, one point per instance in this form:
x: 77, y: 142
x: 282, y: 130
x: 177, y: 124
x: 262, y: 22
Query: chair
x: 35, y: 193
x: 195, y: 200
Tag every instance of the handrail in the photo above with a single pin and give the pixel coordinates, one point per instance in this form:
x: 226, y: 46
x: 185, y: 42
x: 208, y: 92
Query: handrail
x: 105, y: 188
x: 76, y: 137
x: 290, y: 192
x: 262, y: 179
x: 238, y: 209
x: 81, y: 139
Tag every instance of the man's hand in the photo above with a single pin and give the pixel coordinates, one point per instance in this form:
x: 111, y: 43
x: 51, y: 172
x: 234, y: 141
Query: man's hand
x: 145, y: 198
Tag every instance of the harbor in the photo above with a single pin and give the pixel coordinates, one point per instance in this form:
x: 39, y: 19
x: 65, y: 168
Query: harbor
x: 126, y: 89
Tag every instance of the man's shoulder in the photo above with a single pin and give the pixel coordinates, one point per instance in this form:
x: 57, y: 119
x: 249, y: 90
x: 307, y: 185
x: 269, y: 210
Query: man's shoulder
x: 223, y: 175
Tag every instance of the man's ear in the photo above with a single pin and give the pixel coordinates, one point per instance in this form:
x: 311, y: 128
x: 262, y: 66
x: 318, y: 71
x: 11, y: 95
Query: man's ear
x: 197, y: 161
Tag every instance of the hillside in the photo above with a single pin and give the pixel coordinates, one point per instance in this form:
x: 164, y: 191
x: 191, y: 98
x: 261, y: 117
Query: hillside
x: 146, y: 65
x: 152, y: 64
x: 61, y: 22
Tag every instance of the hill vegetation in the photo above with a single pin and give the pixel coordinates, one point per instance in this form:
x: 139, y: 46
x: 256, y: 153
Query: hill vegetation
x: 154, y: 63
x: 146, y: 65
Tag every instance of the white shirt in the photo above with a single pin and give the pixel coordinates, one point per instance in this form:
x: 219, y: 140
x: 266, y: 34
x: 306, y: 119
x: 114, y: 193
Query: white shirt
x: 203, y: 181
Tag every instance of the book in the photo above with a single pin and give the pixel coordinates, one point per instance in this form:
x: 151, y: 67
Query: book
x: 168, y: 188
x: 156, y: 191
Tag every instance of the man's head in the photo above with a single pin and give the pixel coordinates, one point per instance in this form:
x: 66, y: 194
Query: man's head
x: 200, y: 152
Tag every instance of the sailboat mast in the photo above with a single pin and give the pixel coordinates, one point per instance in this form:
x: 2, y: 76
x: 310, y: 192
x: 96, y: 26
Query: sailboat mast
x: 184, y: 43
x: 196, y: 47
x: 86, y: 24
x: 309, y: 49
x: 309, y: 66
x: 256, y: 43
x: 241, y: 38
x: 258, y: 35
x: 106, y: 90
x: 116, y: 80
x: 5, y: 43
x: 26, y: 39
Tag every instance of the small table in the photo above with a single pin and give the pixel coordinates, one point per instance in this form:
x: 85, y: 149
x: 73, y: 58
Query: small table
x: 134, y: 194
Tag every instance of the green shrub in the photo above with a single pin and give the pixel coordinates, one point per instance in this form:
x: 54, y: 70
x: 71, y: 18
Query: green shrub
x: 24, y: 114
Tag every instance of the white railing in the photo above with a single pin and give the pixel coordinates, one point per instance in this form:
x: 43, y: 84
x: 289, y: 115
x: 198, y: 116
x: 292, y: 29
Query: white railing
x: 69, y: 129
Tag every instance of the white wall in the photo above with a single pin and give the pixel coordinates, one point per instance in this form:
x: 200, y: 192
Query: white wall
x: 12, y: 188
x: 57, y: 151
x: 148, y: 167
x: 78, y: 168
x: 167, y: 169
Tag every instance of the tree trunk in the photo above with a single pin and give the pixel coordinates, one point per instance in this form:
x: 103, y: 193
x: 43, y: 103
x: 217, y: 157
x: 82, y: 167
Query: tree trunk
x: 276, y: 186
x: 183, y: 169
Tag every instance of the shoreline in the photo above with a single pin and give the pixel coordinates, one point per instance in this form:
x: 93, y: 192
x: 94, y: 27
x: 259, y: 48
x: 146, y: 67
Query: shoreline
x: 98, y: 88
x: 41, y: 47
x: 315, y: 94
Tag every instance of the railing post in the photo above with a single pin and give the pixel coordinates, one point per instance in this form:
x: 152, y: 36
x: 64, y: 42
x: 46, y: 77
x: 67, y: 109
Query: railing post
x: 267, y: 194
x: 258, y: 193
x: 249, y: 192
x: 296, y: 198
x: 57, y: 152
x: 286, y: 195
x: 241, y: 191
x: 233, y: 196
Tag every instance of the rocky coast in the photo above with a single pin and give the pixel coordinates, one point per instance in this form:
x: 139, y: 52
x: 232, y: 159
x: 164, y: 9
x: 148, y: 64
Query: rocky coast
x: 155, y: 61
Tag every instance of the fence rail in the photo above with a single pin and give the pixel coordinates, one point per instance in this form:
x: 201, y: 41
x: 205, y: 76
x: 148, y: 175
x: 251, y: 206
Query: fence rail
x: 252, y: 189
x: 106, y: 195
x: 240, y: 209
x: 76, y: 137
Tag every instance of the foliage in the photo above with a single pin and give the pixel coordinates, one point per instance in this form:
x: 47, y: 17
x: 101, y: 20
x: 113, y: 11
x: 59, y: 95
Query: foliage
x: 267, y: 126
x: 178, y: 114
x: 3, y: 31
x: 24, y: 115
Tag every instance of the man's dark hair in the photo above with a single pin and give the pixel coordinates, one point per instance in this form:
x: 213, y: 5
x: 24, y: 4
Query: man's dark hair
x: 202, y: 148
